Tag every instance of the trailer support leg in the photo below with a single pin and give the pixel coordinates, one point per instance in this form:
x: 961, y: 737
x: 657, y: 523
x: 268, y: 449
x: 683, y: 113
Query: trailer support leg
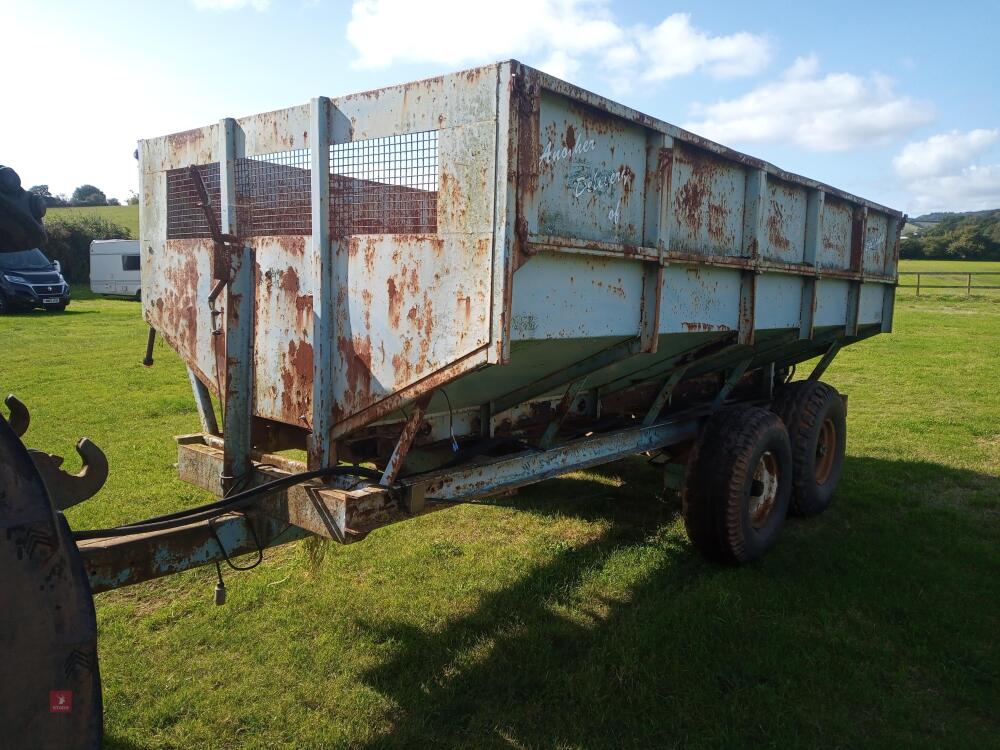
x: 821, y: 366
x: 663, y: 397
x: 572, y: 391
x: 405, y: 441
x: 203, y: 400
x: 734, y: 377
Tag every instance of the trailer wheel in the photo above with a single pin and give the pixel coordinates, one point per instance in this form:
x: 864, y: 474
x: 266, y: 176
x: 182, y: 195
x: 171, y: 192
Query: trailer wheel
x: 816, y: 419
x: 737, y: 485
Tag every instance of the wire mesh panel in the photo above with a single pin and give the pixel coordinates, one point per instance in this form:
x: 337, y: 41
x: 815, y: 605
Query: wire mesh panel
x: 273, y: 194
x: 185, y: 216
x: 385, y: 185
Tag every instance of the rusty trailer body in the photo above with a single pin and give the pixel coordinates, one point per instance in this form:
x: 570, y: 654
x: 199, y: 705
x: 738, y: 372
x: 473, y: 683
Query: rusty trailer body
x: 446, y: 290
x: 487, y: 239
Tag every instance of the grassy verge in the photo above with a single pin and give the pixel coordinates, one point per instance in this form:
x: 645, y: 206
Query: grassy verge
x: 127, y: 216
x: 575, y: 614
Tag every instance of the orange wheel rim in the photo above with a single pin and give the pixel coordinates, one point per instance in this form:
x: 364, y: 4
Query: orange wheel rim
x: 826, y: 451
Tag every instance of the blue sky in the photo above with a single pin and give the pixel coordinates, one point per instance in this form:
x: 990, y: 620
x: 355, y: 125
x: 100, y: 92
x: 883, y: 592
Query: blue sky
x: 895, y: 102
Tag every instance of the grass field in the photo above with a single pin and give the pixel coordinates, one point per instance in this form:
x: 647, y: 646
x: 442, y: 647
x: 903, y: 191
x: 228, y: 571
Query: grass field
x: 928, y: 268
x: 127, y: 216
x: 575, y: 614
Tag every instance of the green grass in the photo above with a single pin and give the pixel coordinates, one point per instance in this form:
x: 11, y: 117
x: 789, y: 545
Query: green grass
x: 127, y: 216
x: 575, y: 614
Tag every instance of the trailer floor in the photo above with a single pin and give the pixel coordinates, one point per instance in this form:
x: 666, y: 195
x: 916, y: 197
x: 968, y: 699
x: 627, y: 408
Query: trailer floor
x: 576, y: 613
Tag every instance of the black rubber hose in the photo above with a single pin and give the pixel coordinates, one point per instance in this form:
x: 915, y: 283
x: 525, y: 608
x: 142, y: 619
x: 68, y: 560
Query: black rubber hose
x: 228, y: 504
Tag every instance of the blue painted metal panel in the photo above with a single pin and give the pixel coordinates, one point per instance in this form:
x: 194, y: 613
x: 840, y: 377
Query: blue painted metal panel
x: 699, y: 298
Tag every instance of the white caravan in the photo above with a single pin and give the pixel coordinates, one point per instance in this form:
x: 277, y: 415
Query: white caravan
x: 114, y: 268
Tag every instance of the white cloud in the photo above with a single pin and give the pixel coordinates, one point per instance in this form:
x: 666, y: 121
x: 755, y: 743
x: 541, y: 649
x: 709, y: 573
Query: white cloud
x: 257, y: 5
x: 675, y: 48
x: 833, y: 112
x: 943, y: 153
x: 941, y: 172
x: 561, y: 33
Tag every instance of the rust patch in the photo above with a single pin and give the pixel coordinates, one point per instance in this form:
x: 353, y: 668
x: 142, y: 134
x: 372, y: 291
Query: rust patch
x: 294, y: 244
x: 776, y: 227
x: 692, y: 204
x: 717, y: 222
x: 697, y: 326
x: 356, y: 353
x: 570, y: 137
x: 290, y: 281
x: 395, y: 301
x: 296, y: 381
x: 366, y: 302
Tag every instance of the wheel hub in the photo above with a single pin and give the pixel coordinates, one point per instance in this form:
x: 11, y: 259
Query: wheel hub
x: 825, y: 451
x: 763, y: 490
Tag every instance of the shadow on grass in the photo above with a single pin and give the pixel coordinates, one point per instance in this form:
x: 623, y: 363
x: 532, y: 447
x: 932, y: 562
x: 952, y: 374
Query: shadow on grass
x: 692, y: 653
x: 630, y: 639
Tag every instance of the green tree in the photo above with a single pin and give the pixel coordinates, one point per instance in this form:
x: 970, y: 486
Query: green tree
x: 88, y: 195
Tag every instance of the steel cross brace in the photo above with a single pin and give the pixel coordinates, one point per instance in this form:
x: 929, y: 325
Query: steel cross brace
x: 572, y: 391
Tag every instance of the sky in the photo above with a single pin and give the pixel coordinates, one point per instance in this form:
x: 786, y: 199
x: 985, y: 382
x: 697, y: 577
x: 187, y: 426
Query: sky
x: 894, y: 102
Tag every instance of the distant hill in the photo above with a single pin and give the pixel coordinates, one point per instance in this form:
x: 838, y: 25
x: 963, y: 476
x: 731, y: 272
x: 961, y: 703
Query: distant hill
x: 938, y: 216
x: 970, y: 235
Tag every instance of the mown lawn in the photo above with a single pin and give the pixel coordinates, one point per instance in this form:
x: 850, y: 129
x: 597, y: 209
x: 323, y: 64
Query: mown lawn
x: 575, y: 614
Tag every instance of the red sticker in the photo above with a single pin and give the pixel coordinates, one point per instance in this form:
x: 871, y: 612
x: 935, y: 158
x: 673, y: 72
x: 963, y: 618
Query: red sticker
x: 60, y: 701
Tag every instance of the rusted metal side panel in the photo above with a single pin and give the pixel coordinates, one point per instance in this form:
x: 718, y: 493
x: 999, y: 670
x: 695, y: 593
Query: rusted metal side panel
x: 566, y: 296
x: 591, y: 174
x: 431, y: 104
x: 412, y: 305
x: 177, y: 151
x: 831, y: 302
x: 274, y: 132
x: 697, y: 299
x: 177, y: 280
x: 409, y: 305
x: 785, y: 222
x: 283, y: 331
x: 835, y: 242
x: 876, y: 230
x: 707, y: 211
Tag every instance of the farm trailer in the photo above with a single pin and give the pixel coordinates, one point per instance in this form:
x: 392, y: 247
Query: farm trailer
x: 449, y: 289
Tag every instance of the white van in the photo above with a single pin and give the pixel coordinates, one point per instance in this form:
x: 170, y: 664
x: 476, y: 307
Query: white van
x: 114, y: 268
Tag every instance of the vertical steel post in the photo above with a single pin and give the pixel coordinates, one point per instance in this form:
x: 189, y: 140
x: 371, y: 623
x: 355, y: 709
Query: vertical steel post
x: 918, y: 284
x: 890, y: 269
x: 969, y: 290
x: 239, y: 320
x: 655, y: 233
x: 321, y: 449
x: 814, y: 233
x: 859, y: 233
x: 755, y: 196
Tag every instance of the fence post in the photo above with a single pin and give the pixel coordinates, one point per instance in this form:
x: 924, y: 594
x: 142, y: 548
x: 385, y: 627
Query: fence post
x: 918, y: 284
x: 969, y: 294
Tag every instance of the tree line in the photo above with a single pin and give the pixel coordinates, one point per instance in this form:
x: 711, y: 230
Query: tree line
x: 974, y: 236
x: 85, y: 195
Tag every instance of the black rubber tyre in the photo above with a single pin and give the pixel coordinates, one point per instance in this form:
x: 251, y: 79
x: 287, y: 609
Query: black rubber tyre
x: 138, y: 295
x: 816, y: 419
x: 737, y: 485
x: 4, y: 308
